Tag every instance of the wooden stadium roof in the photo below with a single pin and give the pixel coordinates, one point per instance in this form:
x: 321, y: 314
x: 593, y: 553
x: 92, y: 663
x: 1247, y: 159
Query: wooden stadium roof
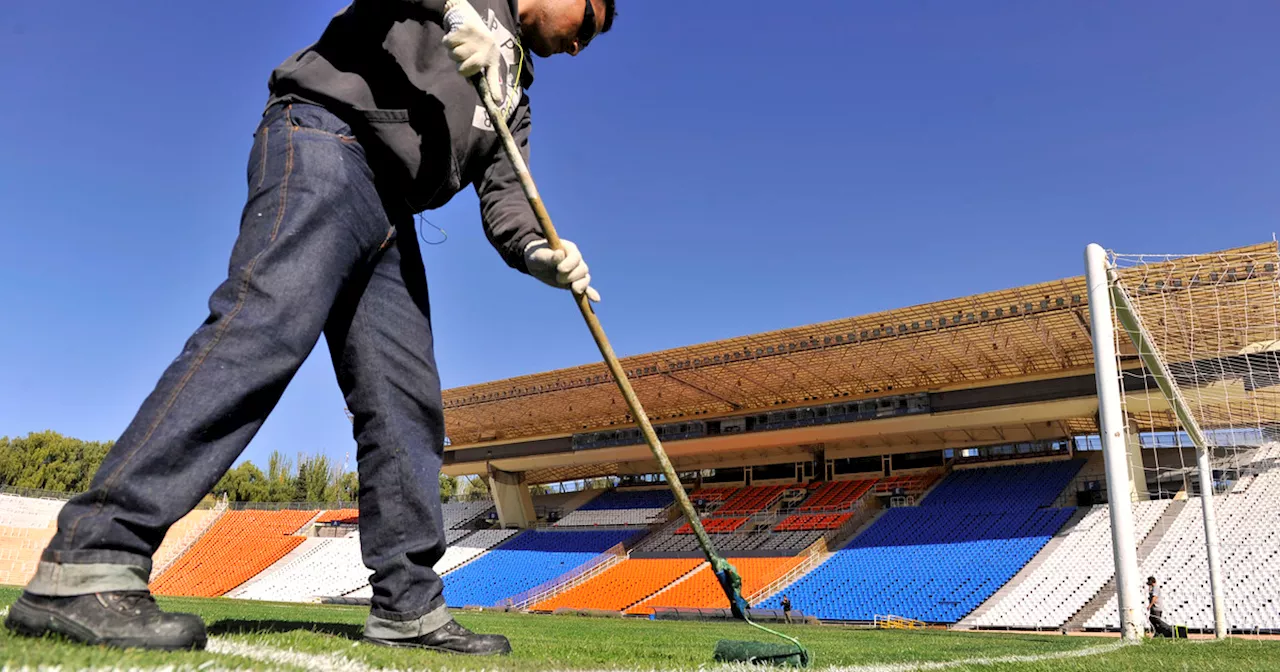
x: 1036, y: 331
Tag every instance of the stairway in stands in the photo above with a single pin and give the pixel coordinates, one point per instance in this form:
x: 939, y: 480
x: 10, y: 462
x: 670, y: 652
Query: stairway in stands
x: 969, y: 621
x: 1108, y: 589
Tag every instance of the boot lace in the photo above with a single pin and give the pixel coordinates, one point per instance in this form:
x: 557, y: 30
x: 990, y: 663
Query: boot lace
x: 137, y: 602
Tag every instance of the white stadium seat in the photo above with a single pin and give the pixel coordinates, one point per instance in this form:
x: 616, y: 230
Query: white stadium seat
x: 1249, y: 538
x: 1071, y: 575
x: 28, y: 512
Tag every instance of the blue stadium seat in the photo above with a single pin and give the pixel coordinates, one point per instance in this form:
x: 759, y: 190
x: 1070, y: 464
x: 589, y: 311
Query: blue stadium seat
x: 525, y: 561
x: 940, y: 560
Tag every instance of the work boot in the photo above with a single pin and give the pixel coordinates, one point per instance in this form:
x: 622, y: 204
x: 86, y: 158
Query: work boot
x: 451, y: 638
x: 124, y: 619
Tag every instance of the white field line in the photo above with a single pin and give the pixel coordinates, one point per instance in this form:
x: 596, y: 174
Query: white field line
x: 334, y: 662
x: 948, y: 664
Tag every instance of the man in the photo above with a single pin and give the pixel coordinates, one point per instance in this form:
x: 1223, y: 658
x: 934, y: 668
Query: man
x: 786, y: 608
x: 370, y: 125
x: 1155, y: 610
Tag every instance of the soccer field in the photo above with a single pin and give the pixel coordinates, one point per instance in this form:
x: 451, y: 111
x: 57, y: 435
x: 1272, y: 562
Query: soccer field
x: 262, y: 636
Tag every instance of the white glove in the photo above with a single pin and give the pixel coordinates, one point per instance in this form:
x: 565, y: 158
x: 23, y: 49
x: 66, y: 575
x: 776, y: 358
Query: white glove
x: 559, y: 268
x: 471, y: 45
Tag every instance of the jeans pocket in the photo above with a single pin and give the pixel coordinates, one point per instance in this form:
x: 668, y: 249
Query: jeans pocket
x: 424, y: 169
x: 393, y: 133
x: 319, y: 120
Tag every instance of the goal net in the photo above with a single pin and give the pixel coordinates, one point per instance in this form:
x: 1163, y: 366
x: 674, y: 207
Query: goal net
x: 1196, y: 349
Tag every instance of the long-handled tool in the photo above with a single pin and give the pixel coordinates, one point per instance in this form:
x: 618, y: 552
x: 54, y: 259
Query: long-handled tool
x: 726, y: 650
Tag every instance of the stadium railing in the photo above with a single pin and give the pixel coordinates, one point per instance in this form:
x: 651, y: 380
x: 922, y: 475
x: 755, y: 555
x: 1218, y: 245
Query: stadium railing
x: 616, y: 554
x: 288, y: 506
x: 190, y: 539
x: 814, y: 555
x: 36, y: 493
x: 707, y: 613
x: 891, y: 622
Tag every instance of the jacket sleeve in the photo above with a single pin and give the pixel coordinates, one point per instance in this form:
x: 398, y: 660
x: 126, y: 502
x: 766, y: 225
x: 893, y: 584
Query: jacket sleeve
x: 508, y: 220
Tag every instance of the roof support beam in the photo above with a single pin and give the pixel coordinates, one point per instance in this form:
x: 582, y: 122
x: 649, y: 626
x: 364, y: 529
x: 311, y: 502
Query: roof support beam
x: 709, y: 393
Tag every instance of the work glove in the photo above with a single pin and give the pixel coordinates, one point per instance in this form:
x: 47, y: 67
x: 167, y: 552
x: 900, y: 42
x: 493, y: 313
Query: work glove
x: 562, y: 268
x: 472, y: 45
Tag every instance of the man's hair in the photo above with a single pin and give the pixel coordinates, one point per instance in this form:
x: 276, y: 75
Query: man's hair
x: 609, y: 13
x: 1151, y: 579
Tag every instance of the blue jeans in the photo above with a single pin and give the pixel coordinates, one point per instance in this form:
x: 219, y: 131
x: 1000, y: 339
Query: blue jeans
x: 320, y: 250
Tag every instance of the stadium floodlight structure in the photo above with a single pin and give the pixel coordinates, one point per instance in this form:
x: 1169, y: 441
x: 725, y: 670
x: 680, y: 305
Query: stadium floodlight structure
x: 1203, y: 367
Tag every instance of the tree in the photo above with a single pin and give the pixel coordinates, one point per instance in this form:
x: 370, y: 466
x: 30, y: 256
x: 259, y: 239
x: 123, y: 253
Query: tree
x: 477, y: 488
x: 50, y: 461
x: 281, y: 484
x: 245, y: 483
x: 316, y: 480
x: 448, y: 487
x: 349, y: 487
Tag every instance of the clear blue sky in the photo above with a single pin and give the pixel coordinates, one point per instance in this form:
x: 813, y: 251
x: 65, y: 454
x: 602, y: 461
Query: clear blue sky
x: 726, y: 167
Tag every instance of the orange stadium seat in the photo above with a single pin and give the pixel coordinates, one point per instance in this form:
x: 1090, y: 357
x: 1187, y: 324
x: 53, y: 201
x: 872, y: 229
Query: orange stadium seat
x: 239, y: 546
x: 820, y: 521
x: 703, y: 591
x: 835, y: 495
x: 715, y: 525
x: 622, y: 585
x: 712, y: 494
x: 349, y: 516
x: 180, y: 537
x: 752, y: 500
x: 910, y: 482
x: 20, y: 549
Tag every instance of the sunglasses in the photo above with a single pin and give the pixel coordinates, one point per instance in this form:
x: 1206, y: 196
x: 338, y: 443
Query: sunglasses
x: 587, y: 30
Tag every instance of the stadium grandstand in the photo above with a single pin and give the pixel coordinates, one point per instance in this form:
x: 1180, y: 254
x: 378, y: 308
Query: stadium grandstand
x: 938, y: 463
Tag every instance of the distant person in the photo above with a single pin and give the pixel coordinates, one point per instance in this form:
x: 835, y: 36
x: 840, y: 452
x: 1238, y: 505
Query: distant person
x: 786, y: 608
x: 1155, y: 609
x: 373, y: 123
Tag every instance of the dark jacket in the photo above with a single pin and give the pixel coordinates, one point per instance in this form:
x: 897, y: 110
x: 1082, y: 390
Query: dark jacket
x: 380, y: 66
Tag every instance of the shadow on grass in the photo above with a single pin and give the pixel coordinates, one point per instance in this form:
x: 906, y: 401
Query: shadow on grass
x: 257, y: 627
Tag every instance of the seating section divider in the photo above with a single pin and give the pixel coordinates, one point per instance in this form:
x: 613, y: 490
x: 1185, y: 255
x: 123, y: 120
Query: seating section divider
x: 239, y: 546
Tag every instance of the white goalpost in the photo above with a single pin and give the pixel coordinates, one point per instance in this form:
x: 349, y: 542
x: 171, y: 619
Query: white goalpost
x: 1186, y: 357
x: 1111, y: 429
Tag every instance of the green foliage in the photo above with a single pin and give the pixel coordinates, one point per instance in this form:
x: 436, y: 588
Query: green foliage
x: 476, y: 488
x: 349, y: 487
x: 50, y: 461
x: 448, y: 487
x: 245, y: 483
x: 280, y: 478
x: 316, y: 480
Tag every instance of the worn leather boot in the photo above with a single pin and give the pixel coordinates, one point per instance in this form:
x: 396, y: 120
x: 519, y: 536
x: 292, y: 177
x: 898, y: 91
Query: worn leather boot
x: 451, y: 638
x: 124, y: 619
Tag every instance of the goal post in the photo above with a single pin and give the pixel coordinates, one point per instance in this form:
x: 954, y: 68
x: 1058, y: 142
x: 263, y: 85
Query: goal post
x: 1187, y: 359
x: 1114, y: 444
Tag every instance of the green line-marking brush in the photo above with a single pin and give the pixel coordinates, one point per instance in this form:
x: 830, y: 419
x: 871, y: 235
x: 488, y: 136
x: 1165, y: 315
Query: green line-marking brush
x: 792, y: 654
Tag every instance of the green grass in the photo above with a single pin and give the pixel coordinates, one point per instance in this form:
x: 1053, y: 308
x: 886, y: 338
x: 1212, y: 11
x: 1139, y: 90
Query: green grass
x: 567, y: 642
